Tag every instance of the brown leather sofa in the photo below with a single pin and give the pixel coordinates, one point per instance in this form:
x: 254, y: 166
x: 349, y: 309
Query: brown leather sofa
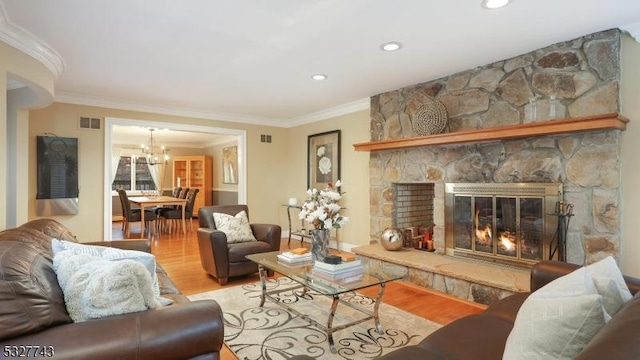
x: 33, y: 313
x: 483, y: 336
x: 221, y: 259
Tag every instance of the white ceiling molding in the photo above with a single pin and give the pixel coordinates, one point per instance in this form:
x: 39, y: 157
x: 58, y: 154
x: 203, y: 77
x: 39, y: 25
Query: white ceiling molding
x: 348, y: 108
x: 13, y: 84
x: 229, y: 139
x: 64, y: 97
x: 26, y: 42
x: 633, y: 30
x: 131, y: 144
x: 88, y: 100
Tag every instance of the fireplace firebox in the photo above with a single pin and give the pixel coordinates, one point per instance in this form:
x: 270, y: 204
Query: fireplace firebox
x: 508, y: 223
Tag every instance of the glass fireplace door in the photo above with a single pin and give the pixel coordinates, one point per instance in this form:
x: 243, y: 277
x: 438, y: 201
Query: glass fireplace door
x: 483, y: 222
x: 506, y: 226
x: 503, y: 226
x: 531, y: 228
x: 508, y: 223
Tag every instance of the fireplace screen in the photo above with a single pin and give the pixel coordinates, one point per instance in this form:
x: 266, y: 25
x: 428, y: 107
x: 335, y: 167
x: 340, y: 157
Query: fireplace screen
x: 501, y: 222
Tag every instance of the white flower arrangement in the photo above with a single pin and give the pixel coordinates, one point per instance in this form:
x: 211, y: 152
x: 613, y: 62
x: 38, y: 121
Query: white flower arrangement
x: 321, y: 209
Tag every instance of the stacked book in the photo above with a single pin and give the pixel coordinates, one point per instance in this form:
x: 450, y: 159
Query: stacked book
x: 294, y: 258
x: 344, y: 272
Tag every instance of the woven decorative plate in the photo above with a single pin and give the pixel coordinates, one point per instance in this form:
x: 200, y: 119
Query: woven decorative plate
x: 430, y: 119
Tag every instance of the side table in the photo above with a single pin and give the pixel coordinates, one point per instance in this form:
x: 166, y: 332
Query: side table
x: 302, y: 232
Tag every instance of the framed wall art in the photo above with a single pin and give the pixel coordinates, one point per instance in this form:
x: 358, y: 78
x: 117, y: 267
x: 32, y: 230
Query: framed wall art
x: 230, y: 165
x: 323, y: 159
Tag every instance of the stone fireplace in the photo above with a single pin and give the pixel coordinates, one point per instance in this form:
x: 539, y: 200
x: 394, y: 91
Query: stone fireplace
x: 581, y: 75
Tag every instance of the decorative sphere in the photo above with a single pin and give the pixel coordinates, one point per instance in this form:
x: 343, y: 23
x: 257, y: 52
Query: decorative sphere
x: 392, y: 239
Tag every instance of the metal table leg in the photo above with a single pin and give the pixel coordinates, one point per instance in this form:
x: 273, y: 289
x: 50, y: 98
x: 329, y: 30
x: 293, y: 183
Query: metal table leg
x: 334, y: 306
x: 329, y: 328
x: 376, y: 306
x: 289, y: 218
x: 263, y: 282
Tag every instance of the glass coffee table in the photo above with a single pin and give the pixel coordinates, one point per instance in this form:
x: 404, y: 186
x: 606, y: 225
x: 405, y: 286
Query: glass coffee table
x: 305, y: 279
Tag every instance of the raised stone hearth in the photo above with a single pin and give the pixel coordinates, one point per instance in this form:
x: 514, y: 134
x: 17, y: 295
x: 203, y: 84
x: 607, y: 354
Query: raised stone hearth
x: 462, y: 278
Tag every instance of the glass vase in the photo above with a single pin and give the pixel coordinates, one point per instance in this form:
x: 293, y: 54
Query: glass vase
x: 319, y: 244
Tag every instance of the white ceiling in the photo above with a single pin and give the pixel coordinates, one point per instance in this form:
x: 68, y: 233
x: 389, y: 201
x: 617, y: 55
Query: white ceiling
x: 251, y: 60
x: 135, y: 136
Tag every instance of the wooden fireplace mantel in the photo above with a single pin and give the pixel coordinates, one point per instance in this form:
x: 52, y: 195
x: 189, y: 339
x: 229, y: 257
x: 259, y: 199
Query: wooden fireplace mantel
x: 611, y: 121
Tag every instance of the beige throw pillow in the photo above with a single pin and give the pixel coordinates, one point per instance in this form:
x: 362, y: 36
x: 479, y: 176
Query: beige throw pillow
x: 236, y: 228
x: 610, y: 284
x: 554, y: 328
x: 558, y: 320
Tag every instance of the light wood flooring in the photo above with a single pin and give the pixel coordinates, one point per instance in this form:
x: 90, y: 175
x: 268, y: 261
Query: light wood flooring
x: 179, y: 256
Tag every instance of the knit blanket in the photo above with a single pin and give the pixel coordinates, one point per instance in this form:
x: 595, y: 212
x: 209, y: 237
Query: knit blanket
x: 94, y: 287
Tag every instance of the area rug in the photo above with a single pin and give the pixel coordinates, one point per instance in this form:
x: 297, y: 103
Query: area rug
x: 272, y: 332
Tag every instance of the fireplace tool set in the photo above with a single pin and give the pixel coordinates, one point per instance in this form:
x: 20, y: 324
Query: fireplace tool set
x: 558, y: 243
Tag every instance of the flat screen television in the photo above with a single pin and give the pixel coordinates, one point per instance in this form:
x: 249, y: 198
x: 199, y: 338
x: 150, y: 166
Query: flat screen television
x: 57, y: 167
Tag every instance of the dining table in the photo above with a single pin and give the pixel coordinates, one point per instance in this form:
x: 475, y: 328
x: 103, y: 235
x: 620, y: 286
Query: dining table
x: 161, y: 200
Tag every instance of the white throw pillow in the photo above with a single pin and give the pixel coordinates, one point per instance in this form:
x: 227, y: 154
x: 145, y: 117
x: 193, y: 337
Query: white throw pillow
x: 610, y: 284
x: 94, y: 287
x: 109, y: 253
x: 61, y: 245
x: 236, y: 228
x: 558, y: 320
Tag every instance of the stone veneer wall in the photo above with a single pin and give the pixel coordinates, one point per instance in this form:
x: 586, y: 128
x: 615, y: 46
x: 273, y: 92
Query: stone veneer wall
x: 583, y: 74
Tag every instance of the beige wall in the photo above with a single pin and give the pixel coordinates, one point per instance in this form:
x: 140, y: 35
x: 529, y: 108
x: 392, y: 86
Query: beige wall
x: 39, y: 92
x: 630, y: 107
x: 354, y: 171
x: 264, y: 165
x: 276, y: 170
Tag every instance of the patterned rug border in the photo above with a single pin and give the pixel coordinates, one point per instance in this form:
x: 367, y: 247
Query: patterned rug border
x: 272, y: 332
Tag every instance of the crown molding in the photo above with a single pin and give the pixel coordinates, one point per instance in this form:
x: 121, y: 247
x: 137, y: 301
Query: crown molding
x: 127, y: 144
x: 28, y: 43
x: 633, y: 30
x: 348, y: 108
x: 71, y: 98
x: 224, y: 140
x: 111, y: 103
x: 13, y: 84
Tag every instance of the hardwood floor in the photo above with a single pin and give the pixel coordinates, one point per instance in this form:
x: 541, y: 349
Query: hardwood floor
x: 179, y: 256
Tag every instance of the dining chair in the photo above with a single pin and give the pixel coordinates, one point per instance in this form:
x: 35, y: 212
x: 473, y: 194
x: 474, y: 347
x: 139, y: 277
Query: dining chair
x: 183, y: 193
x: 175, y: 193
x: 172, y: 218
x: 130, y: 215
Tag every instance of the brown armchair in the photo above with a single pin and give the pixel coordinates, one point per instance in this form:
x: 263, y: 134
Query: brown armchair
x: 223, y: 260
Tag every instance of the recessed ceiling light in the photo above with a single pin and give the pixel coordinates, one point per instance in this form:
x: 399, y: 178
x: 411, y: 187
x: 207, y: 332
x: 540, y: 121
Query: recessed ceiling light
x: 494, y: 4
x: 319, y: 77
x: 391, y: 46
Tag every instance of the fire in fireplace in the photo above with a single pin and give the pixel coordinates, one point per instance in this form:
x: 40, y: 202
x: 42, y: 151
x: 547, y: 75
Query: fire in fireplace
x: 507, y: 223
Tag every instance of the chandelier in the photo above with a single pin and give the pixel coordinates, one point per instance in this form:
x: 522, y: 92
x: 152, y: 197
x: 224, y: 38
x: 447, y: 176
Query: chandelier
x: 153, y: 153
